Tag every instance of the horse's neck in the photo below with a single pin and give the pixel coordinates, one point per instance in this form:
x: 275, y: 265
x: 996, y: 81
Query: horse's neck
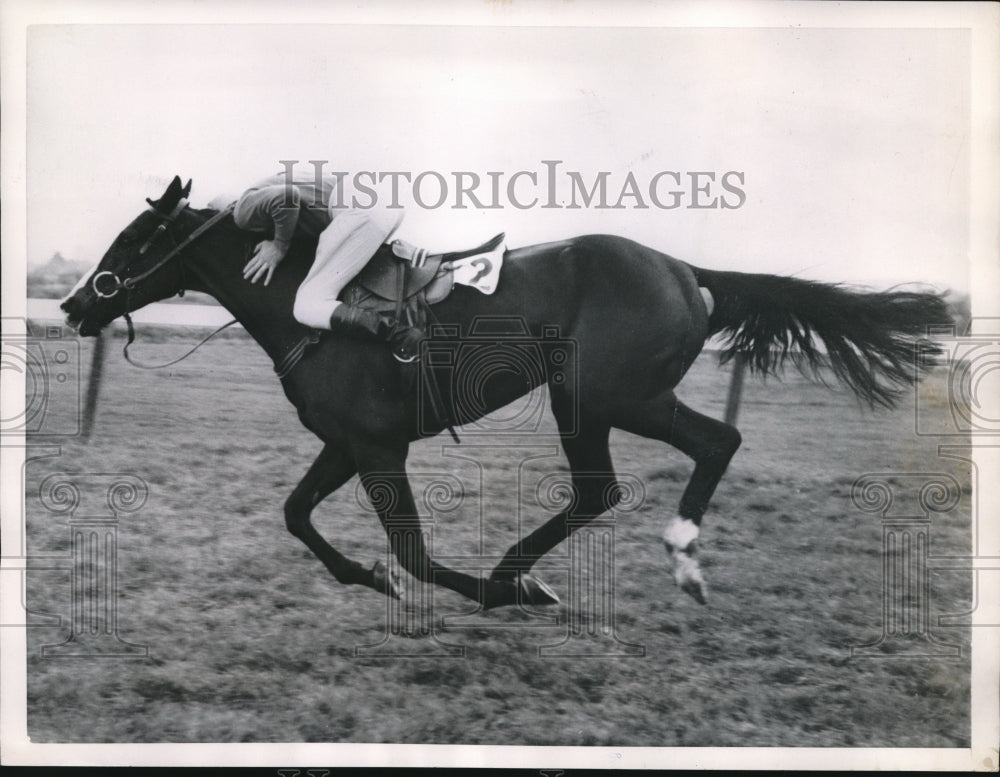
x: 265, y: 312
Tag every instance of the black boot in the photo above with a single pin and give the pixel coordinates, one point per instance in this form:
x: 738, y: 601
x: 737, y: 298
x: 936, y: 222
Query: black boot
x: 404, y: 340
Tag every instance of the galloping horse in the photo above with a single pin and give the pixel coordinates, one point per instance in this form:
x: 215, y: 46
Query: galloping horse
x: 637, y: 319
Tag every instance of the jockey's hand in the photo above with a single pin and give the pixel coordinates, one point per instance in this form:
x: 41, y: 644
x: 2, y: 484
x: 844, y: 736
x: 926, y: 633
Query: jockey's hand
x: 266, y: 257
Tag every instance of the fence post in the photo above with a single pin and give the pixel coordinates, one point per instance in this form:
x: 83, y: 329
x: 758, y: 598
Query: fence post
x: 735, y: 388
x: 93, y: 385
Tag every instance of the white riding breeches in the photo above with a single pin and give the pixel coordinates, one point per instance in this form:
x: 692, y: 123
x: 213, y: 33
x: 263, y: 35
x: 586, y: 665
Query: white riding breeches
x: 344, y: 248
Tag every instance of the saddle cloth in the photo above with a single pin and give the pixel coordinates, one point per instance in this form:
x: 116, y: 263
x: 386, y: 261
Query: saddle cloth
x: 389, y: 279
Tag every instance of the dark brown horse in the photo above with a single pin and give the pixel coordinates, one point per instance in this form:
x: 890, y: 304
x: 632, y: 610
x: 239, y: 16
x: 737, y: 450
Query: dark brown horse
x: 629, y: 320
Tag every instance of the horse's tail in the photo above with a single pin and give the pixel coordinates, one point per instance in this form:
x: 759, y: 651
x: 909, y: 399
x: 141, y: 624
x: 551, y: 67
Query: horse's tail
x: 870, y: 338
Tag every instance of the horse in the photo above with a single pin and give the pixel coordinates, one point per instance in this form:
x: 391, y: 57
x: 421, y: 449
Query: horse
x: 637, y: 319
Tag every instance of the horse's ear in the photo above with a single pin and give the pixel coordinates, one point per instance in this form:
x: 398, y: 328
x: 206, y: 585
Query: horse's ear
x: 187, y: 189
x: 171, y: 196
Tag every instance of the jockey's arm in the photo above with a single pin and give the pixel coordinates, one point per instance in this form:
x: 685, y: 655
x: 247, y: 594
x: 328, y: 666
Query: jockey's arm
x: 261, y: 209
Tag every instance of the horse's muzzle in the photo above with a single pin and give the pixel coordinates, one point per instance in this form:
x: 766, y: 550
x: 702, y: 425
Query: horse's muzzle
x: 74, y: 309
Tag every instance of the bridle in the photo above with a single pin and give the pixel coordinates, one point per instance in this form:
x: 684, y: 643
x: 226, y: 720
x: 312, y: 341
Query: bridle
x: 128, y: 284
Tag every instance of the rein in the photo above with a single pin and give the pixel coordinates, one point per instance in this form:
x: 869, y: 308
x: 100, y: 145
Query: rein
x: 182, y: 357
x: 129, y: 283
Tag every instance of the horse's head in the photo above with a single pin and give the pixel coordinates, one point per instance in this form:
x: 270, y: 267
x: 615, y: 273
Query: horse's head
x: 118, y: 283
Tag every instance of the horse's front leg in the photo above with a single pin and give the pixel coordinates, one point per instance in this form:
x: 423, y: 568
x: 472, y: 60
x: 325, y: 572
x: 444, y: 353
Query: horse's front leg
x: 382, y: 467
x: 332, y: 468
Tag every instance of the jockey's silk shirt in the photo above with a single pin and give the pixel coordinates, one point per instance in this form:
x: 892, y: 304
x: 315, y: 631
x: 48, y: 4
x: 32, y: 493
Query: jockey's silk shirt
x: 299, y: 204
x: 348, y: 237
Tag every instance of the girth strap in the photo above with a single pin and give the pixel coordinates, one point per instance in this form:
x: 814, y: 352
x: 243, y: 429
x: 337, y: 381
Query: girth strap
x: 294, y: 356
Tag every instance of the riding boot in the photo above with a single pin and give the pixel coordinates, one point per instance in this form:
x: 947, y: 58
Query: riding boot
x: 404, y: 340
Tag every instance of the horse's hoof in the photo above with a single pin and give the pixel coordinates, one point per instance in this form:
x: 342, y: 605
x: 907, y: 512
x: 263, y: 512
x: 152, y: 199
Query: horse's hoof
x: 386, y: 580
x: 687, y: 574
x: 695, y: 589
x: 526, y: 589
x: 682, y: 550
x: 534, y: 591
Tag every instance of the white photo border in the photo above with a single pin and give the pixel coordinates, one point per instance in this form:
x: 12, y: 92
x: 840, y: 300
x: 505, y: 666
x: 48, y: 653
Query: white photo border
x: 982, y: 19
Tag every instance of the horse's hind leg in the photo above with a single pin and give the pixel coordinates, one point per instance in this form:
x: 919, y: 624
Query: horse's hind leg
x: 594, y: 487
x: 383, y: 474
x: 329, y: 472
x: 711, y: 444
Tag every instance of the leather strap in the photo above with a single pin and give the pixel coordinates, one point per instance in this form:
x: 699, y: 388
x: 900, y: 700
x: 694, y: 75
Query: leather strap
x: 438, y: 407
x: 400, y: 289
x: 294, y: 356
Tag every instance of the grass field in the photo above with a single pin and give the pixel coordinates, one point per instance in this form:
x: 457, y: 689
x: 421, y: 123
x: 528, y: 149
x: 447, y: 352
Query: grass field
x: 250, y: 640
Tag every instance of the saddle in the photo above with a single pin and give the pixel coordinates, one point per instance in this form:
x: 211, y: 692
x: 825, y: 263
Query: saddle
x: 390, y: 283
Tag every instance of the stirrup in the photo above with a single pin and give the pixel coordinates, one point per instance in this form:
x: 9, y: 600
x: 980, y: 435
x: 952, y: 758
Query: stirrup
x: 405, y: 338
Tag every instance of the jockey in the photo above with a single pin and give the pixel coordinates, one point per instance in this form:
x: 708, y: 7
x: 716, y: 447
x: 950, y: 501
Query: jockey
x: 348, y: 238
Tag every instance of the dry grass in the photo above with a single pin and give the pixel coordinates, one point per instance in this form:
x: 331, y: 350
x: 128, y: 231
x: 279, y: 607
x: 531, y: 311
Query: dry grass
x: 251, y: 641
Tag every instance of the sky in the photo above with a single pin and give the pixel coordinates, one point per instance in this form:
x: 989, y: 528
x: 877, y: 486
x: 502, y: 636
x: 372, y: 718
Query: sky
x: 852, y: 145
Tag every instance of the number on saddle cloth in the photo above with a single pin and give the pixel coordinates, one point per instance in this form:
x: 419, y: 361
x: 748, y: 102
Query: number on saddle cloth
x: 378, y: 284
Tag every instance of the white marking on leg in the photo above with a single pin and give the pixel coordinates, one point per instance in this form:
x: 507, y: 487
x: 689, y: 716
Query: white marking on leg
x: 679, y: 534
x: 679, y: 539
